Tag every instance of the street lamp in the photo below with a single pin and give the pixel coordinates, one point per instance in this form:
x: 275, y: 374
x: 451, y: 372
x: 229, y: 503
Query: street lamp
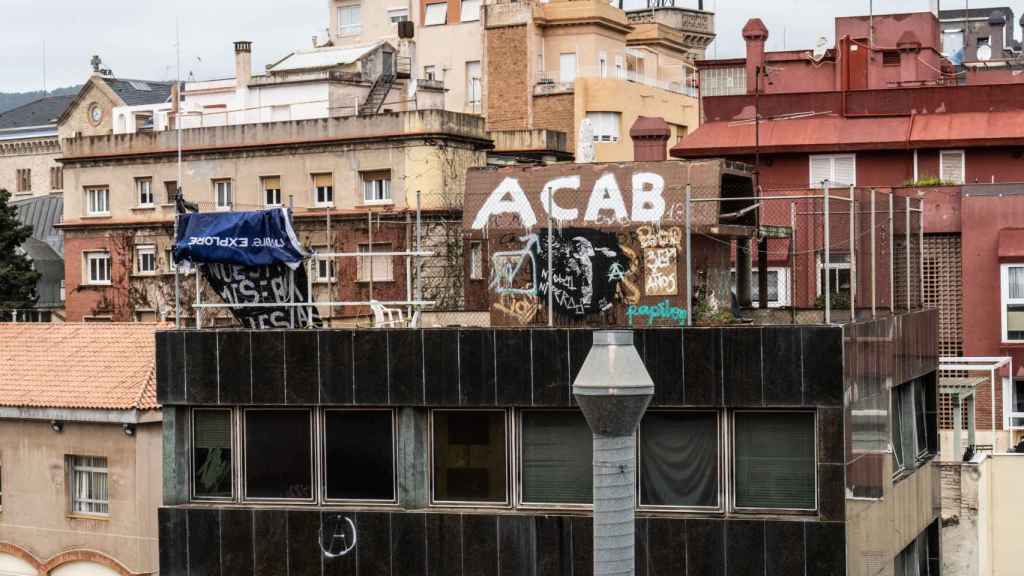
x: 613, y: 389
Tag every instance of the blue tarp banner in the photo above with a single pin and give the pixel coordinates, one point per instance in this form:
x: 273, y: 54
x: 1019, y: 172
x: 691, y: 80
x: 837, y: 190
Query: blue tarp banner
x: 249, y: 239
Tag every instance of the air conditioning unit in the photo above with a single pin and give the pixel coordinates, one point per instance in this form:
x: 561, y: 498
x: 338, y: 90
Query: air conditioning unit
x: 406, y: 29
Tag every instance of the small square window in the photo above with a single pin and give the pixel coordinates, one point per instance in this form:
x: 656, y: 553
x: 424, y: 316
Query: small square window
x: 144, y: 192
x: 87, y: 481
x: 397, y: 15
x: 350, y: 20
x: 430, y: 73
x: 436, y: 14
x: 145, y: 259
x: 97, y: 201
x: 890, y: 58
x: 775, y: 461
x: 211, y: 454
x: 323, y: 190
x: 359, y: 455
x: 271, y: 191
x: 223, y: 193
x: 376, y: 187
x: 470, y: 456
x: 470, y: 11
x: 380, y: 268
x: 324, y: 270
x: 97, y: 265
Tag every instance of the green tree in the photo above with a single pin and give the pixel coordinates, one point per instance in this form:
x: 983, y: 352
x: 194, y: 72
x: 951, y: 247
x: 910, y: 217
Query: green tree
x: 17, y: 277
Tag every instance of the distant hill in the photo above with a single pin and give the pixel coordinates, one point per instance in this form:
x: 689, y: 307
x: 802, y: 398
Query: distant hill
x: 10, y: 100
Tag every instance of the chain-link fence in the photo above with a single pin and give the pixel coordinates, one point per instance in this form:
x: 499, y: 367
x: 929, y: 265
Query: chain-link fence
x: 626, y: 247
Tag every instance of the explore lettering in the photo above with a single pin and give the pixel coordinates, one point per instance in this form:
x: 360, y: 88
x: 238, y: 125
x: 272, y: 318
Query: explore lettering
x: 663, y: 310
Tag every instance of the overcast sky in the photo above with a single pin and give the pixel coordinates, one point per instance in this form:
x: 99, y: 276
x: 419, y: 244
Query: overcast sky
x: 136, y: 38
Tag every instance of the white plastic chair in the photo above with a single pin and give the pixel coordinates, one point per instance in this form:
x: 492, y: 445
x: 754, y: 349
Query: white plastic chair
x: 384, y: 317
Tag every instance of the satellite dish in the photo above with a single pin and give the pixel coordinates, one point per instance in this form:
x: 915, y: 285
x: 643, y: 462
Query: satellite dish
x: 984, y: 52
x: 820, y: 48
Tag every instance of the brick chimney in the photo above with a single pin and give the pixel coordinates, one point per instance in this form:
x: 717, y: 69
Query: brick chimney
x: 755, y: 34
x: 909, y: 46
x: 243, y: 63
x: 650, y: 139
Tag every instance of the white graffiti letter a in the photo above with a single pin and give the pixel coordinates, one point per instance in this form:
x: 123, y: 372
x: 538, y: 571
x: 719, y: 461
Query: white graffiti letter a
x: 606, y: 196
x: 497, y: 203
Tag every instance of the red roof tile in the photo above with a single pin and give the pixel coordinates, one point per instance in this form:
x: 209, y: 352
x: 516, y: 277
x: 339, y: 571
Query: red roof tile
x: 97, y: 366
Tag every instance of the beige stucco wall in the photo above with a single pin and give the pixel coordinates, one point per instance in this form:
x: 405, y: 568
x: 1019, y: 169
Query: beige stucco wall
x: 36, y: 155
x: 449, y: 48
x: 376, y: 25
x: 632, y: 100
x: 877, y: 530
x: 35, y: 513
x: 78, y: 119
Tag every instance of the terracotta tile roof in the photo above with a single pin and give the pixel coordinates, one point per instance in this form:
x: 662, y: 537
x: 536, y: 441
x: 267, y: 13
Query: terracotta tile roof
x: 100, y: 366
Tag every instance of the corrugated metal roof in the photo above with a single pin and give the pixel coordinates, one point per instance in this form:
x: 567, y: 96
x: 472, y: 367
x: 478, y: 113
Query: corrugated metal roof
x: 98, y: 366
x: 323, y: 57
x: 42, y: 112
x: 43, y: 213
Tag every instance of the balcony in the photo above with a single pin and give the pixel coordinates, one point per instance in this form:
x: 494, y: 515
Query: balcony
x: 549, y: 82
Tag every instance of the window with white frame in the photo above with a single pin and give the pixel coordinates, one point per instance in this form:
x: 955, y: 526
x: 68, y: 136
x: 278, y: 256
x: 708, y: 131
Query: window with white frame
x: 350, y: 19
x: 323, y: 189
x: 87, y: 481
x: 97, y: 201
x: 97, y: 267
x: 606, y: 125
x: 222, y: 194
x: 380, y: 268
x: 376, y: 186
x: 602, y: 64
x: 952, y: 166
x: 567, y: 67
x: 838, y: 169
x: 430, y: 72
x: 436, y: 14
x: 470, y: 11
x: 1016, y: 404
x: 145, y: 259
x: 1013, y: 302
x: 778, y: 286
x: 324, y: 270
x: 620, y: 67
x: 396, y: 15
x: 635, y: 65
x: 838, y: 272
x: 144, y: 192
x: 476, y: 260
x: 473, y: 89
x: 910, y: 432
x: 271, y: 186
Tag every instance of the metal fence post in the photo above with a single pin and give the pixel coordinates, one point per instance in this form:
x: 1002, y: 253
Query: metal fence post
x: 792, y: 260
x: 199, y: 300
x: 551, y: 264
x: 874, y: 271
x: 419, y: 248
x: 853, y: 259
x: 908, y: 251
x: 920, y: 243
x: 689, y: 261
x: 892, y: 255
x: 828, y: 262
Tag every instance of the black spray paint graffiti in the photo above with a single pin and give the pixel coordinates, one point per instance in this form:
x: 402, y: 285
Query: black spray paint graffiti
x: 338, y: 543
x: 588, y: 266
x: 268, y: 285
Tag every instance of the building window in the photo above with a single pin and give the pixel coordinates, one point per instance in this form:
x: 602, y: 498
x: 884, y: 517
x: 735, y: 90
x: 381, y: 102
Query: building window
x: 323, y: 189
x: 145, y: 259
x: 430, y: 73
x: 1016, y: 415
x: 222, y: 192
x: 380, y: 268
x: 470, y: 456
x: 839, y: 277
x: 170, y: 191
x: 211, y: 454
x: 397, y: 15
x: 620, y: 67
x: 376, y: 186
x: 602, y: 64
x: 567, y: 67
x: 144, y: 192
x: 952, y: 166
x: 1013, y: 302
x: 97, y: 201
x: 470, y: 11
x: 557, y: 455
x: 56, y: 178
x: 838, y: 170
x: 910, y: 442
x: 88, y: 483
x: 916, y: 559
x: 774, y: 461
x: 278, y: 454
x: 984, y: 41
x: 473, y: 89
x: 729, y: 81
x: 635, y: 66
x: 436, y: 14
x: 890, y: 58
x: 97, y: 265
x: 606, y: 125
x: 476, y: 260
x: 359, y: 455
x: 324, y: 270
x: 679, y: 459
x: 271, y: 191
x: 350, y: 20
x: 24, y: 180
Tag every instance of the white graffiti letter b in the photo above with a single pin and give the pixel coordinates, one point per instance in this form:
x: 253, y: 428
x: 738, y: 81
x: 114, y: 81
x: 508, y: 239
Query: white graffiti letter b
x: 648, y: 202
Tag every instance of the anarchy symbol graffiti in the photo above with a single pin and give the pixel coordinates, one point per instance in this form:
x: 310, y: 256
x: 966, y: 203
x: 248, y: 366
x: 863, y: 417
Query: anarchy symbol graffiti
x: 339, y: 543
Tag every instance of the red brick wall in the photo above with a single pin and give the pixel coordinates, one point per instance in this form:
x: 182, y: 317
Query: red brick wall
x: 556, y: 112
x: 508, y: 83
x: 82, y: 300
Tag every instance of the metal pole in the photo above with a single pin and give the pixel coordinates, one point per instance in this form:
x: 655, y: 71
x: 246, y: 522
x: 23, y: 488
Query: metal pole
x: 551, y: 264
x: 177, y: 188
x: 908, y: 250
x: 828, y: 262
x: 689, y: 260
x: 892, y: 256
x: 309, y: 288
x: 853, y: 259
x: 792, y: 261
x: 330, y: 277
x: 920, y: 245
x: 419, y: 248
x: 408, y: 267
x: 369, y: 232
x: 291, y: 298
x: 199, y: 300
x: 874, y: 275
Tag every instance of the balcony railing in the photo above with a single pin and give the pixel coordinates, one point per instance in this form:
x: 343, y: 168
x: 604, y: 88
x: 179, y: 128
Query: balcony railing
x: 554, y: 82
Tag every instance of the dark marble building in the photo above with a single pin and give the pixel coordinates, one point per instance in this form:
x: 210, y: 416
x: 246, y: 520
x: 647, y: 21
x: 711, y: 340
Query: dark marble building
x: 767, y: 450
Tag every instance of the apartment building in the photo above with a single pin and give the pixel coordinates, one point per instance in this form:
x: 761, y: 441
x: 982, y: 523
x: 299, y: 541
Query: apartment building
x: 29, y: 148
x: 80, y: 450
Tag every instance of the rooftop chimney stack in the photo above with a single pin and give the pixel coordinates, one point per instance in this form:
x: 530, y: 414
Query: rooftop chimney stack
x: 650, y: 139
x: 243, y: 63
x: 755, y: 34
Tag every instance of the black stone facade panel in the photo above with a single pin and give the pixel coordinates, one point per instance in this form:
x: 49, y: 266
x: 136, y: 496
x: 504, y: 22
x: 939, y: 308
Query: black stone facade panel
x: 744, y: 367
x: 303, y: 543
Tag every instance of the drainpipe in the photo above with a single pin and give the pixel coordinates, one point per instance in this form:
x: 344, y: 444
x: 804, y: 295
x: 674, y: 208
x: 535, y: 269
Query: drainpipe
x: 613, y: 390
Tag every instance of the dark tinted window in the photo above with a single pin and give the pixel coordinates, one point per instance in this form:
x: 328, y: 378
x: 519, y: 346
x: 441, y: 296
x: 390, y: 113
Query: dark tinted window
x: 679, y: 459
x: 775, y: 461
x: 359, y: 458
x: 470, y: 460
x: 558, y: 450
x: 278, y: 454
x: 211, y: 459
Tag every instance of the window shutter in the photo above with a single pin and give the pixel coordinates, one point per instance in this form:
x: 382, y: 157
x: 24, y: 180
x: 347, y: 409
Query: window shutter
x: 557, y: 458
x: 844, y: 170
x: 213, y: 429
x: 775, y: 461
x: 821, y: 169
x: 951, y: 167
x: 322, y: 180
x: 1015, y: 275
